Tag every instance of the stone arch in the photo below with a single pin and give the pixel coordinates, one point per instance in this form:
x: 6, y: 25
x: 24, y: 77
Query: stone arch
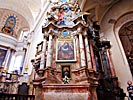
x: 126, y: 38
x: 127, y: 17
x: 119, y: 13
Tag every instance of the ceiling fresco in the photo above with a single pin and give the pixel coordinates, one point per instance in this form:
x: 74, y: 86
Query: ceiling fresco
x: 12, y: 23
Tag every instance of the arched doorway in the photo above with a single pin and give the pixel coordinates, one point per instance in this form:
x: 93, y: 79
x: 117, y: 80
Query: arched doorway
x: 126, y: 37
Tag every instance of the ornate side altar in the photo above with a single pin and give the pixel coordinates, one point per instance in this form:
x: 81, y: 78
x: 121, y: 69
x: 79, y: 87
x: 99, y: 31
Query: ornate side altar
x: 63, y: 65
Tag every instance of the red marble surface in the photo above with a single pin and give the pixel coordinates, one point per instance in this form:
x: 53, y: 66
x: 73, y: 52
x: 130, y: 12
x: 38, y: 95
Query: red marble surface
x: 66, y: 88
x: 66, y: 92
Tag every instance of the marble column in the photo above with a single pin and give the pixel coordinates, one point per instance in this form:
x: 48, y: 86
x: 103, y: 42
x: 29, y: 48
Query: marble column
x: 110, y: 63
x: 27, y: 55
x: 82, y: 52
x: 54, y: 52
x: 92, y: 56
x: 77, y: 52
x: 24, y: 54
x: 88, y: 56
x: 42, y: 62
x: 10, y: 60
x: 7, y: 59
x: 49, y: 52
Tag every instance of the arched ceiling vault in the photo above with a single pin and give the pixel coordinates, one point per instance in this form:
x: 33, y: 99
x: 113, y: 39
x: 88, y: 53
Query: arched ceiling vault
x: 29, y: 9
x: 20, y: 7
x: 26, y: 11
x: 98, y: 8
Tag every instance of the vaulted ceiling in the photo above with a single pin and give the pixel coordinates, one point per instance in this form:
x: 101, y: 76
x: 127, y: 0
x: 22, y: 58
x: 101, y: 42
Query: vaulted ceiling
x: 29, y: 9
x: 98, y: 8
x: 26, y: 12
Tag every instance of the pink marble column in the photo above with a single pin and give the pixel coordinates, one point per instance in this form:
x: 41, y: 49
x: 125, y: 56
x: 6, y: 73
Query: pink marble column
x: 42, y: 62
x: 54, y: 52
x: 77, y: 52
x: 110, y: 63
x: 89, y: 64
x: 82, y: 52
x: 92, y: 56
x: 49, y: 52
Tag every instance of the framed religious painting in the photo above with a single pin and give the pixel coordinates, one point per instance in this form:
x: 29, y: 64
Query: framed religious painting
x: 39, y: 47
x: 66, y: 71
x: 65, y: 50
x: 3, y: 53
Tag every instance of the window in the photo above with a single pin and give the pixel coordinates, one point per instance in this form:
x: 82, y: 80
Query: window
x: 126, y: 37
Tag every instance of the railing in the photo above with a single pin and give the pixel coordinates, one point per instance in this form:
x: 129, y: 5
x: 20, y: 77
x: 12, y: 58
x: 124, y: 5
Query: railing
x: 4, y: 96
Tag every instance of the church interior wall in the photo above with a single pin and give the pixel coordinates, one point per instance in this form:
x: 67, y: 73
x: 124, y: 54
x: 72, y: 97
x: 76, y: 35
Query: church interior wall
x: 37, y: 38
x: 120, y: 13
x: 118, y: 56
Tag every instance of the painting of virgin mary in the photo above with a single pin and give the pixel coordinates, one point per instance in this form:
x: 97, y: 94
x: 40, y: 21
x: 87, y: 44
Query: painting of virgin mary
x: 65, y: 50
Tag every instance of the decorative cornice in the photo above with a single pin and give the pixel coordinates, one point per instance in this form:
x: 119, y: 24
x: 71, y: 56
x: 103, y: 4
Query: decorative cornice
x: 8, y: 41
x: 52, y: 25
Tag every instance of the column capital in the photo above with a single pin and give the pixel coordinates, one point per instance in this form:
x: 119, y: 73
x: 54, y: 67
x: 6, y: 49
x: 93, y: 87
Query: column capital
x: 79, y: 29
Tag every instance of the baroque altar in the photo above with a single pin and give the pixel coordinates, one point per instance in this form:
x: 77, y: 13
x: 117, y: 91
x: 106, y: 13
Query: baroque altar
x: 63, y: 65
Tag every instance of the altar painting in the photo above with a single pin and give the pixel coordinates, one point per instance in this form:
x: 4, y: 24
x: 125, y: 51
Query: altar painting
x: 2, y: 56
x: 65, y: 50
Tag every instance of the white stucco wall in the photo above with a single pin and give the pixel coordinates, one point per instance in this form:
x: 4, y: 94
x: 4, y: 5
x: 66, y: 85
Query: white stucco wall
x: 117, y: 12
